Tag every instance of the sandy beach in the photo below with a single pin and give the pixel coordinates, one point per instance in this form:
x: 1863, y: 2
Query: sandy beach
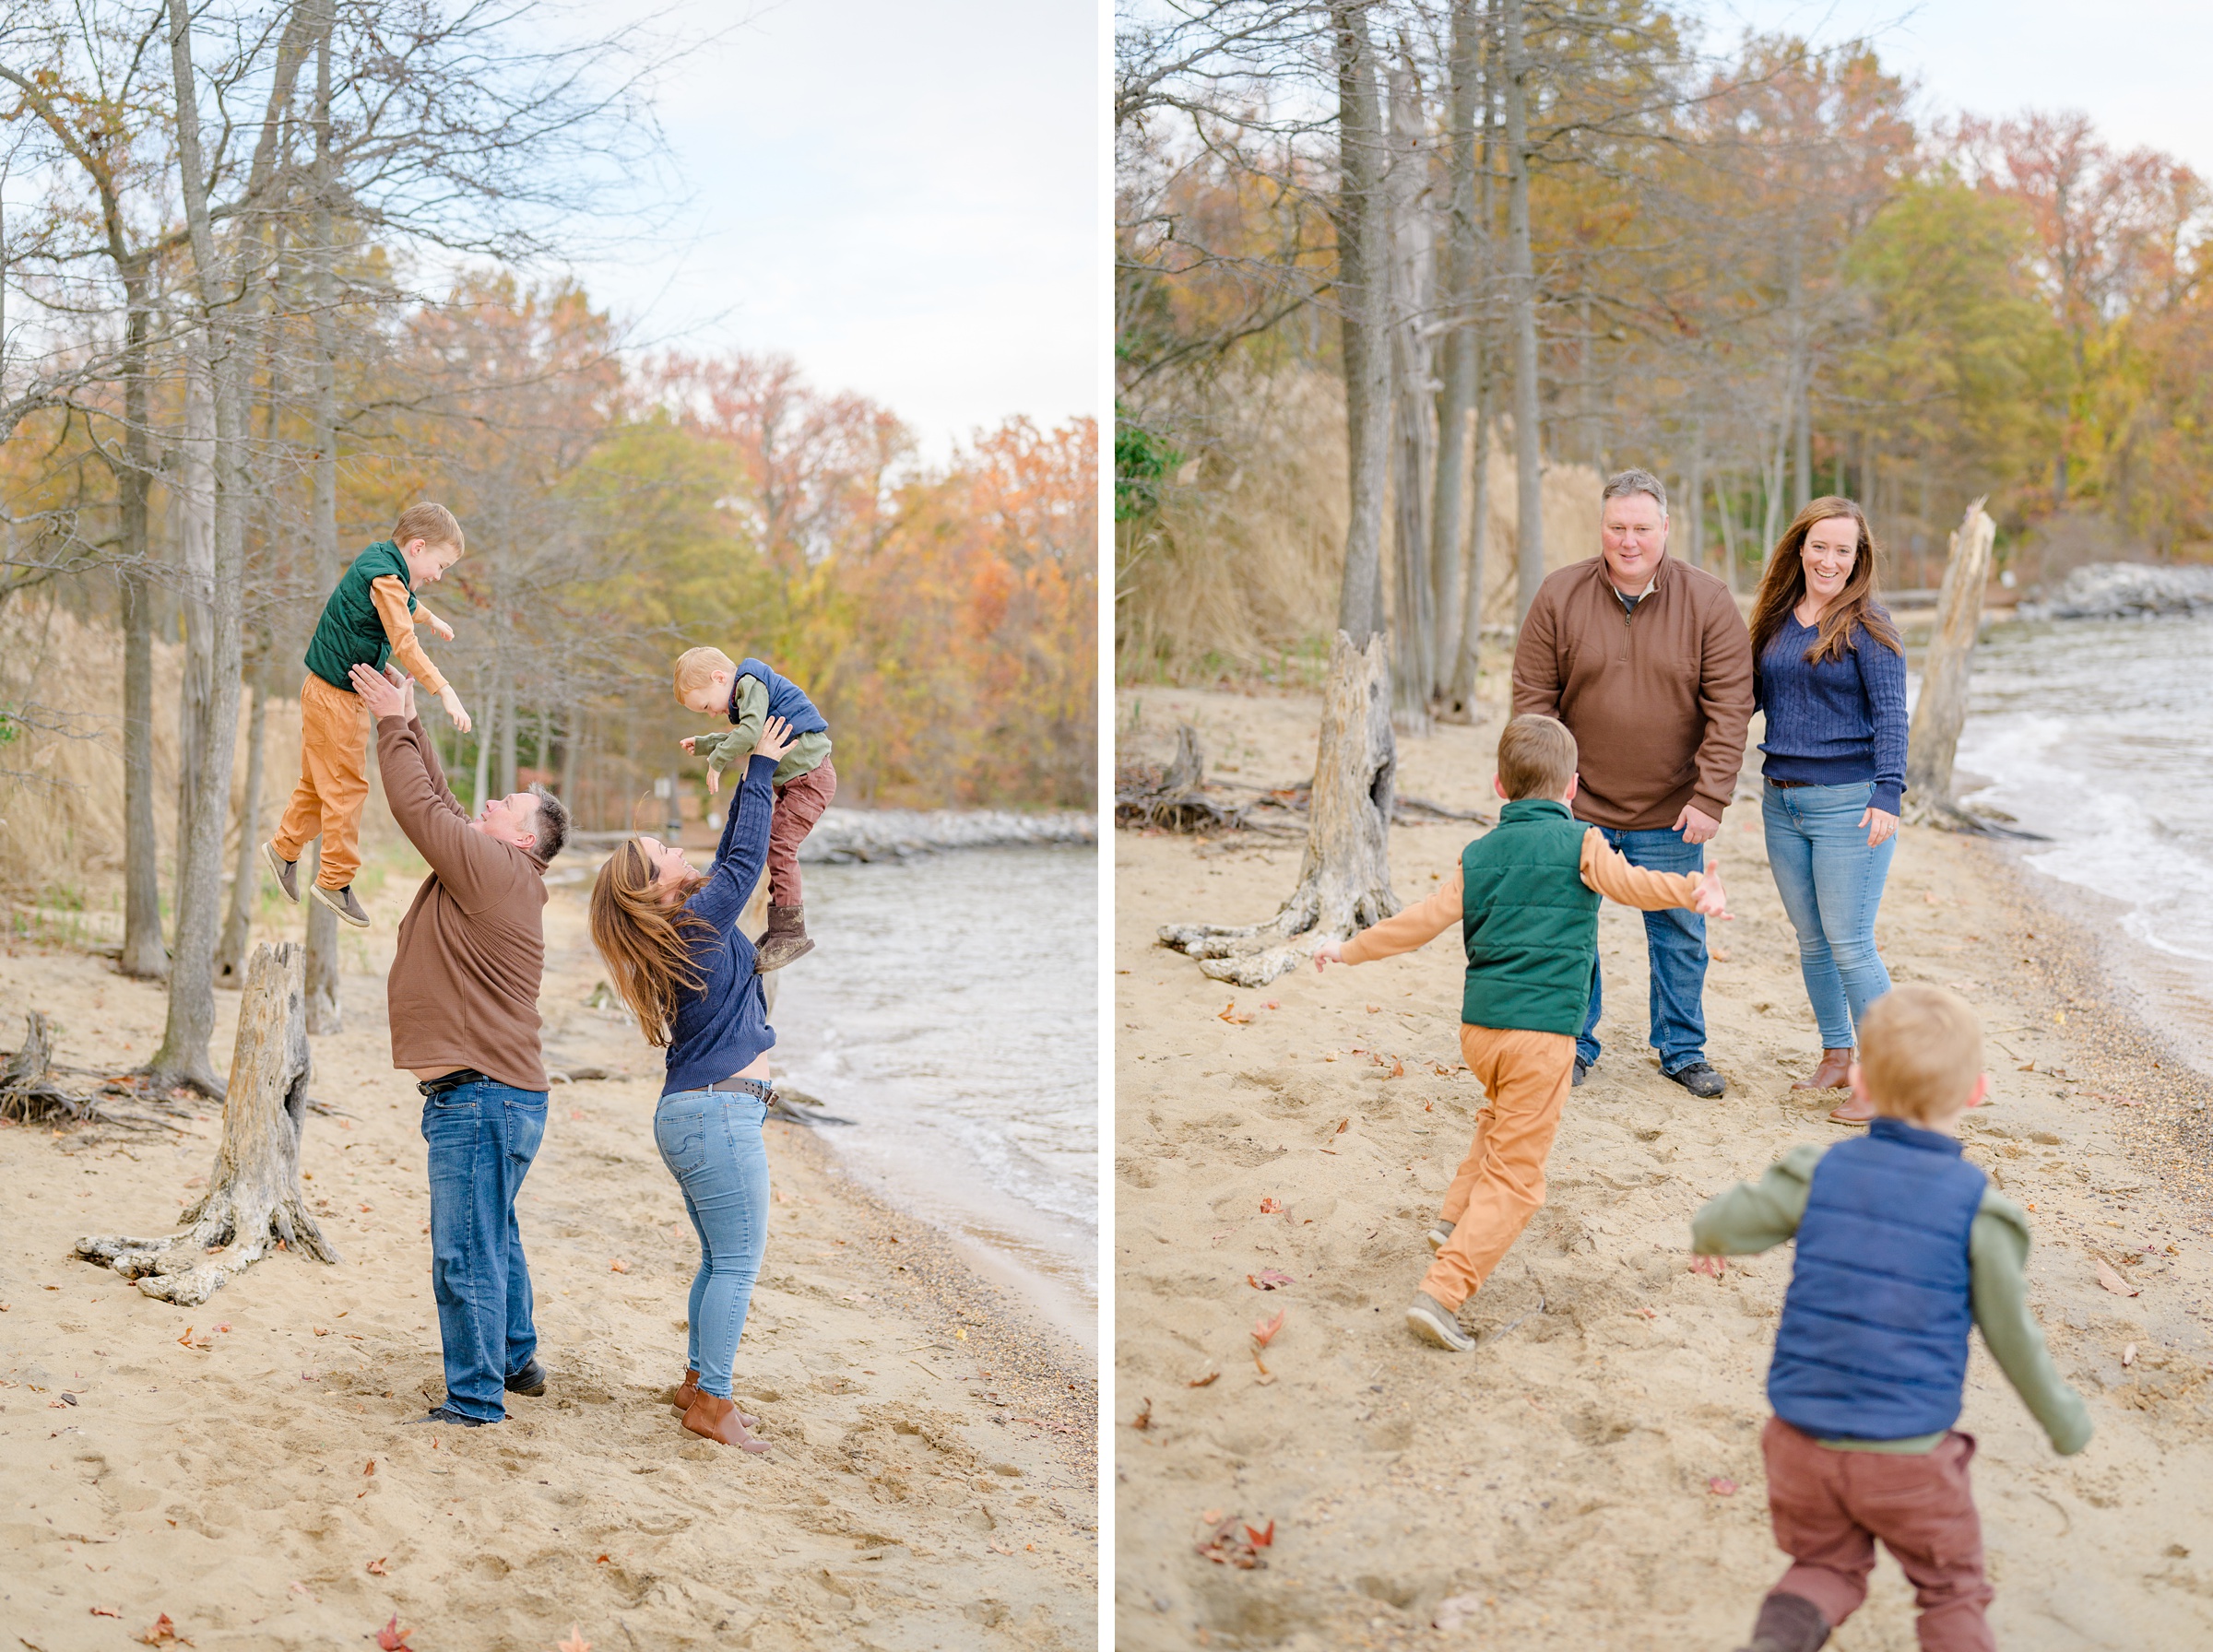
x: 1589, y: 1476
x: 239, y: 1467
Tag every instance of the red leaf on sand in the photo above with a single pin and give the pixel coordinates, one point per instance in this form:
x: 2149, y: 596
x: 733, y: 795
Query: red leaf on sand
x: 105, y: 1611
x: 1231, y: 1542
x: 2114, y: 1283
x: 1342, y: 1125
x: 1263, y: 1332
x: 1229, y: 1013
x: 160, y: 1633
x: 1260, y: 1539
x: 1268, y: 1207
x: 1206, y: 1381
x: 1272, y: 1279
x: 1721, y: 1486
x: 1375, y: 1010
x: 376, y: 1567
x: 392, y: 1637
x: 576, y: 1643
x: 1398, y: 1068
x: 1143, y: 1420
x: 618, y: 1266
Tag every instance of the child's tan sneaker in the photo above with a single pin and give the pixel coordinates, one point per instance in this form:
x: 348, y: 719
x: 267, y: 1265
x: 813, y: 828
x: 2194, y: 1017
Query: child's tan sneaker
x: 1433, y: 1322
x: 1438, y: 1235
x: 288, y: 872
x: 341, y: 901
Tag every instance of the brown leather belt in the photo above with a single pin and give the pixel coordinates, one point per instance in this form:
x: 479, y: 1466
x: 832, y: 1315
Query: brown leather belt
x: 1771, y: 781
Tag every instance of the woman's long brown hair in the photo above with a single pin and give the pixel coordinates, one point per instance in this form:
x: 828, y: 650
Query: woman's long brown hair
x: 646, y: 939
x: 1782, y: 588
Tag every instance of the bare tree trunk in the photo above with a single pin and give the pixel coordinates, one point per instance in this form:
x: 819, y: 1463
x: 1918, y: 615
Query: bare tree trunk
x: 1363, y: 303
x: 238, y: 925
x: 1934, y: 740
x: 1344, y: 876
x: 325, y: 1015
x: 506, y: 785
x: 143, y: 954
x: 1694, y: 496
x: 1521, y: 315
x: 1413, y: 444
x: 1722, y: 497
x: 1466, y: 669
x: 572, y: 727
x: 183, y: 1058
x: 487, y: 730
x: 1456, y: 394
x: 253, y: 1199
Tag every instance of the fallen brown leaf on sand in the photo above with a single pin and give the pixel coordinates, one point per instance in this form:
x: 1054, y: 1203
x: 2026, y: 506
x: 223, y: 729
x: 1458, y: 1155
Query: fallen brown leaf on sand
x: 2113, y: 1281
x: 392, y: 1637
x: 1721, y: 1486
x: 161, y: 1632
x: 1263, y: 1332
x: 376, y: 1567
x: 106, y: 1612
x: 1375, y: 1010
x: 618, y: 1266
x: 1143, y: 1420
x: 1398, y: 1068
x: 1342, y: 1125
x: 1271, y: 1279
x: 370, y: 1467
x: 576, y: 1643
x: 1203, y: 1382
x: 1229, y: 1013
x: 1231, y: 1542
x: 1270, y: 1208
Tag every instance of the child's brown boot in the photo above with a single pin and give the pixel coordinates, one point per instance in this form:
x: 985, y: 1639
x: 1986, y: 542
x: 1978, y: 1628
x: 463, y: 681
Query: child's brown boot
x: 1788, y: 1623
x: 341, y: 901
x: 787, y: 938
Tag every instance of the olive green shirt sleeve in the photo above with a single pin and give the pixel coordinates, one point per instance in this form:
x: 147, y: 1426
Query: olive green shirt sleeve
x: 1755, y: 1216
x: 750, y: 698
x: 1998, y: 1256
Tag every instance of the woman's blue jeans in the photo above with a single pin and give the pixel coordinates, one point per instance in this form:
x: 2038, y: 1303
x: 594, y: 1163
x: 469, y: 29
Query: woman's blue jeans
x: 710, y: 1140
x: 1831, y: 883
x: 482, y: 1137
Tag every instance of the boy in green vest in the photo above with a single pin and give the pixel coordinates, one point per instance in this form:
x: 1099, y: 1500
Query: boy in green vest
x: 369, y: 620
x: 1526, y: 901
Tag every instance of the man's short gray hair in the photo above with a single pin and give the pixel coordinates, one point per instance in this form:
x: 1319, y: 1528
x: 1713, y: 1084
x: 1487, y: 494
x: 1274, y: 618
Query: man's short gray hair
x: 1623, y: 483
x: 552, y: 825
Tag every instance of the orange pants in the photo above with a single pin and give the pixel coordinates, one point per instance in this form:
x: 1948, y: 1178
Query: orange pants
x: 334, y: 782
x: 1500, y: 1185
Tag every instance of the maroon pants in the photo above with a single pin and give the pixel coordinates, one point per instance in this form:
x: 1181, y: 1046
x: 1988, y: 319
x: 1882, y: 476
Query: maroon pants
x: 799, y: 804
x: 1829, y: 1506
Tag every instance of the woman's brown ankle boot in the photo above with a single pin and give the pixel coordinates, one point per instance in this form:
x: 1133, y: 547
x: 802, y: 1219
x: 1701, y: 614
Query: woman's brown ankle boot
x: 717, y: 1419
x: 1834, y: 1072
x: 686, y: 1392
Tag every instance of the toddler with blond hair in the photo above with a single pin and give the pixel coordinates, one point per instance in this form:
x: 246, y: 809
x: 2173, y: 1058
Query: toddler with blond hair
x: 750, y: 692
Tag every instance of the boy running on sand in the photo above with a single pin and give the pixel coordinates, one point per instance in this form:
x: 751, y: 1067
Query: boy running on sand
x: 1901, y: 1246
x: 750, y: 693
x: 369, y: 620
x: 1526, y: 899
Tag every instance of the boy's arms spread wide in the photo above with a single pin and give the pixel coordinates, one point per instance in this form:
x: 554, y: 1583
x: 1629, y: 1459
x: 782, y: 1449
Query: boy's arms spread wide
x: 1755, y: 1216
x: 1998, y: 1256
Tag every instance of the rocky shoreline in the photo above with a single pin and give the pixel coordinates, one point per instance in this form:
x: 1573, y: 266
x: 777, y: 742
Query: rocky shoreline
x: 2124, y: 590
x: 861, y: 834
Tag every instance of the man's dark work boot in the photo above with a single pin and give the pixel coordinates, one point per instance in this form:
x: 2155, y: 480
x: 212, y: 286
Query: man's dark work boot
x: 1788, y: 1623
x: 530, y: 1379
x: 787, y: 938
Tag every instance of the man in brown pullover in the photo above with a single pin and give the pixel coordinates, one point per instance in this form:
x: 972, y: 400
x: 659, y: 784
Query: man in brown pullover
x: 463, y: 1004
x: 1648, y: 662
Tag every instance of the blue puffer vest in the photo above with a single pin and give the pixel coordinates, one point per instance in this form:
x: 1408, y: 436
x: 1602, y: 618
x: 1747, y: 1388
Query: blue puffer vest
x: 1872, y: 1344
x: 784, y: 700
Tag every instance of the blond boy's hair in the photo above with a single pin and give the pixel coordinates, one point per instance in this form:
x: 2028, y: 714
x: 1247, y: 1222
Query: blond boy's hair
x: 695, y: 666
x: 1920, y: 1051
x: 1536, y: 757
x: 433, y: 524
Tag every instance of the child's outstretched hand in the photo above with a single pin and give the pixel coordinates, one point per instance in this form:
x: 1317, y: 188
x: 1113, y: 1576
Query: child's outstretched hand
x: 777, y: 738
x: 1713, y: 900
x: 451, y: 701
x: 438, y: 625
x: 1328, y: 952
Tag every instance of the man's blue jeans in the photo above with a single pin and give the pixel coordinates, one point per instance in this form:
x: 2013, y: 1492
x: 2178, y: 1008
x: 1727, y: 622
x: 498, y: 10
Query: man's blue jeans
x: 1675, y: 946
x: 710, y: 1140
x: 1831, y: 883
x: 482, y: 1136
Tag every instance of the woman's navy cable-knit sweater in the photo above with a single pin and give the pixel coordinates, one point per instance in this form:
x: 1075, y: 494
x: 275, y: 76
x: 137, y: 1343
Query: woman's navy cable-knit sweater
x: 1838, y: 721
x: 724, y: 1025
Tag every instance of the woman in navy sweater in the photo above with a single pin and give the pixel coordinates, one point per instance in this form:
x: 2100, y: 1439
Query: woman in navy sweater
x: 671, y: 942
x: 1830, y: 676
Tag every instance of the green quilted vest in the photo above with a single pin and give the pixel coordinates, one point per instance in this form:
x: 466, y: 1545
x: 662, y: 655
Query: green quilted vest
x: 1529, y: 922
x: 350, y: 633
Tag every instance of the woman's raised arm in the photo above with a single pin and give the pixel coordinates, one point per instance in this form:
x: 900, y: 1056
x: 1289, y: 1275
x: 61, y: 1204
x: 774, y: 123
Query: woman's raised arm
x: 743, y: 851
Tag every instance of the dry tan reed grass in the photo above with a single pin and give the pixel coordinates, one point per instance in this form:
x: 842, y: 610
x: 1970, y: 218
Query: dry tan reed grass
x: 61, y: 777
x: 1240, y: 566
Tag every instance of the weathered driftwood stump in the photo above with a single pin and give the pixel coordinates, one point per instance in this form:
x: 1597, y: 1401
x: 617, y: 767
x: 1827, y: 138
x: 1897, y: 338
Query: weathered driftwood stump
x: 28, y: 1092
x: 1344, y: 876
x: 253, y: 1199
x: 1934, y: 740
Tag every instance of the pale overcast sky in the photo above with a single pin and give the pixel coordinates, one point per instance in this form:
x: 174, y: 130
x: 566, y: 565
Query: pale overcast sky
x: 2137, y: 67
x: 903, y: 197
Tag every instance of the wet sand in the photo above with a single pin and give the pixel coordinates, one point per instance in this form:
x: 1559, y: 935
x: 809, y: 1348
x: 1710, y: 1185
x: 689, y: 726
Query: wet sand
x: 1589, y: 1476
x: 933, y: 1481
